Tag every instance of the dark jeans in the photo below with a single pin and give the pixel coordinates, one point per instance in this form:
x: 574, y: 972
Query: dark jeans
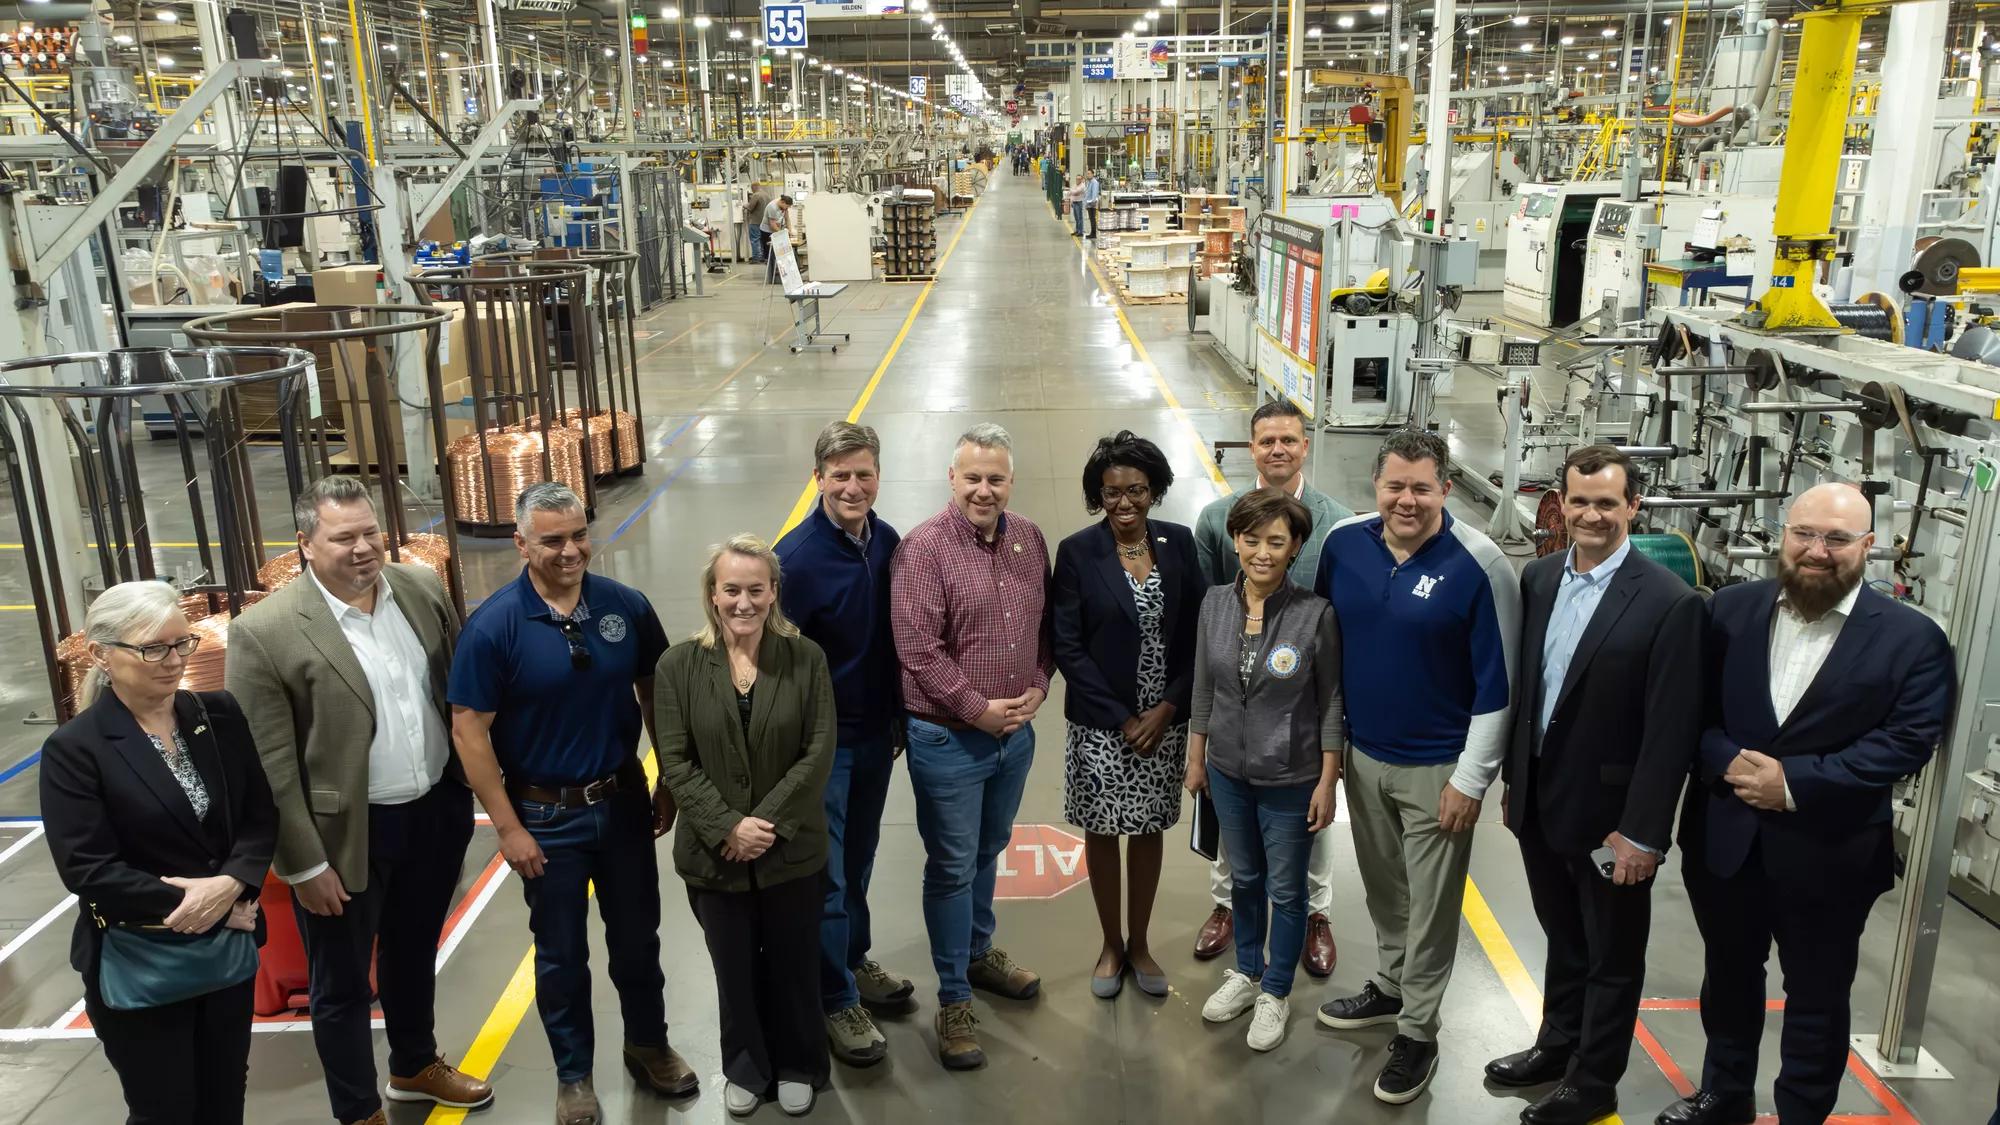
x: 766, y: 982
x: 180, y: 1064
x: 415, y: 851
x: 757, y: 248
x: 968, y: 786
x: 856, y: 790
x: 609, y: 844
x: 1264, y: 829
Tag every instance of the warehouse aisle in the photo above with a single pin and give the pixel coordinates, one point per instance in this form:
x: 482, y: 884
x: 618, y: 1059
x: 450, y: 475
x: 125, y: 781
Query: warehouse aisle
x: 1017, y: 330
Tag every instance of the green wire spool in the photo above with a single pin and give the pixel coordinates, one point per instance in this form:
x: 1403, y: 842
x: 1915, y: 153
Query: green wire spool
x: 1673, y: 550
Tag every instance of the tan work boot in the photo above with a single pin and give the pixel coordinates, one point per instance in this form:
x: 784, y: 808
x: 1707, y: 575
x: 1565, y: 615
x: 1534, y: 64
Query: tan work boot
x: 576, y: 1104
x: 662, y: 1069
x: 958, y: 1045
x: 442, y: 1083
x: 882, y: 993
x: 997, y: 973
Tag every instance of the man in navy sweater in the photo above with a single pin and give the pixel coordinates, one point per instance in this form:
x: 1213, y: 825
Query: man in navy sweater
x: 836, y: 589
x: 1429, y: 612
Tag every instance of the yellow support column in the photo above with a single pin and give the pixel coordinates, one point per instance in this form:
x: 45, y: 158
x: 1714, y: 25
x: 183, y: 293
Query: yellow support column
x: 1813, y: 143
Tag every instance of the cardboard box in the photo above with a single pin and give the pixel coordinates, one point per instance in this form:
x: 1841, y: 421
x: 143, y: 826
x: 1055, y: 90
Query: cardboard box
x: 347, y: 285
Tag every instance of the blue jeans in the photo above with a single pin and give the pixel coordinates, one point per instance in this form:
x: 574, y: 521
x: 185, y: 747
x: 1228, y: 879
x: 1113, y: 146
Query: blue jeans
x: 1264, y: 830
x: 1076, y: 210
x: 856, y: 790
x: 968, y: 786
x: 610, y: 844
x: 757, y: 250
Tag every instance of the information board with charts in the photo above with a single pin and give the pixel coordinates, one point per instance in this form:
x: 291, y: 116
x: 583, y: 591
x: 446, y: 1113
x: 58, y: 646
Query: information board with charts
x: 1290, y: 287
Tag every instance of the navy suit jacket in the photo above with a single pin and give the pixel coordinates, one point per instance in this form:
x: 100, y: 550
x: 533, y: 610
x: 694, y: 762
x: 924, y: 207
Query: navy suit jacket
x: 1094, y: 623
x: 1873, y: 715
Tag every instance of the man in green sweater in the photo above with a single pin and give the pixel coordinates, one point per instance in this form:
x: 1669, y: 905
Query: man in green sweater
x: 1278, y: 444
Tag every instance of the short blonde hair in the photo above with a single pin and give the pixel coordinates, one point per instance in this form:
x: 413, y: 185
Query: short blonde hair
x: 748, y: 546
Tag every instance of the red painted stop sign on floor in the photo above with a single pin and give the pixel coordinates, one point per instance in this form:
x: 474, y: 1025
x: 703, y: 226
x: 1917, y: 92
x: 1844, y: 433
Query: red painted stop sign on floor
x: 1041, y: 861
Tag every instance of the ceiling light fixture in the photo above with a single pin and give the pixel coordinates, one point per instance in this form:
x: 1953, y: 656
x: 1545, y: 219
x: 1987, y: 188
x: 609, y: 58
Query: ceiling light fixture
x: 1344, y: 22
x: 1520, y: 21
x: 702, y: 23
x: 168, y: 15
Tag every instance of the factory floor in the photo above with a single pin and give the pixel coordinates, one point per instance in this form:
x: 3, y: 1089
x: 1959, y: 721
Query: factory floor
x: 1018, y: 329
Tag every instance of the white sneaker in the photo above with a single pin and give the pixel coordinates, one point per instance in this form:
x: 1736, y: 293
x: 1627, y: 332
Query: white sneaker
x: 795, y: 1098
x: 1267, y: 1027
x: 1233, y: 999
x: 739, y: 1101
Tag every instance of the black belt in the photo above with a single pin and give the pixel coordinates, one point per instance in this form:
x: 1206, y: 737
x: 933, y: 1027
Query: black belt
x: 572, y: 796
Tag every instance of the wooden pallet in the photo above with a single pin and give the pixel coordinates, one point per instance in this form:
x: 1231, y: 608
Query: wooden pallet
x: 1127, y: 296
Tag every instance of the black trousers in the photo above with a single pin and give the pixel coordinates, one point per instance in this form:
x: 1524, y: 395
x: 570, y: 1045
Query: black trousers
x: 1596, y: 964
x: 181, y: 1064
x: 1818, y: 935
x: 415, y: 852
x: 765, y: 945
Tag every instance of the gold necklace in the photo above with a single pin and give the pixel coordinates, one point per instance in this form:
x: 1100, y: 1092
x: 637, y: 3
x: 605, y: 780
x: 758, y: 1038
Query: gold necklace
x: 1135, y: 551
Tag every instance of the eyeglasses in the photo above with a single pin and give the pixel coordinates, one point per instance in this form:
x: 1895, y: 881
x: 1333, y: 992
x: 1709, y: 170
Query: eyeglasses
x: 579, y: 656
x: 1136, y: 493
x: 154, y: 653
x: 1832, y: 540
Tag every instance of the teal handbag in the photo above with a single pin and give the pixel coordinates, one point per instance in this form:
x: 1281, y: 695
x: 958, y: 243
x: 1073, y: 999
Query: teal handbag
x: 155, y: 966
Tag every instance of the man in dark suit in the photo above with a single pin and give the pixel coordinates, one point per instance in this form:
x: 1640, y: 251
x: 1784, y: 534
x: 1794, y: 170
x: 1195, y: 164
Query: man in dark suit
x: 1822, y: 693
x: 1609, y: 680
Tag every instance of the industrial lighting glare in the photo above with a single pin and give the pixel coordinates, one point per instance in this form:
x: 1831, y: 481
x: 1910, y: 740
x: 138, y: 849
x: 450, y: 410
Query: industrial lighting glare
x: 1344, y: 22
x: 1312, y: 33
x: 736, y: 33
x: 1520, y: 21
x: 389, y: 47
x: 1378, y: 9
x: 670, y: 13
x: 1609, y: 33
x: 1569, y: 40
x: 1527, y: 46
x: 168, y: 15
x: 122, y: 40
x: 1128, y: 35
x: 1865, y: 45
x: 164, y: 62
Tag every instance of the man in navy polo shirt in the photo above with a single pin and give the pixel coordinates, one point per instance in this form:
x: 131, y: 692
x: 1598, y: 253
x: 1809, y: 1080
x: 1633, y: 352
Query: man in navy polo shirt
x: 551, y: 680
x: 1428, y: 611
x: 836, y: 590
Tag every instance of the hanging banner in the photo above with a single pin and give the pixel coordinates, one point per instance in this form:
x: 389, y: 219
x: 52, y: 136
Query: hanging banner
x: 1139, y: 58
x: 1097, y: 68
x: 851, y: 9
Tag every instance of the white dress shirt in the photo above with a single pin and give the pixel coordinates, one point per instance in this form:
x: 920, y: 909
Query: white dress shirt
x: 408, y: 753
x: 1799, y: 649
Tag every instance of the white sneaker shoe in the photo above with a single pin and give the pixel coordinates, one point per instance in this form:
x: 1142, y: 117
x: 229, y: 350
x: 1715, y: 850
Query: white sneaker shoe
x: 738, y: 1100
x: 795, y: 1098
x: 1233, y: 999
x: 1267, y: 1027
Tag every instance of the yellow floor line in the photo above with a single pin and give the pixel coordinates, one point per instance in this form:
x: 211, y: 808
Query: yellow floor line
x: 519, y: 995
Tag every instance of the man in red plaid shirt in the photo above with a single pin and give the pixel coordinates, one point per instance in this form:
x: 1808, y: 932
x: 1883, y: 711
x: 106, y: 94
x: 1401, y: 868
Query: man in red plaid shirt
x: 967, y: 595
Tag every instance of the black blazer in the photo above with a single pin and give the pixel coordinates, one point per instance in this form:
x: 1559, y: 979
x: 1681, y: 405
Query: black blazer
x: 118, y: 822
x: 1873, y: 715
x: 1094, y: 623
x: 1627, y: 718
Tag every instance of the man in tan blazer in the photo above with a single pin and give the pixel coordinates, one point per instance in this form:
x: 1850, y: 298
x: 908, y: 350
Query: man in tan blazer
x: 342, y: 674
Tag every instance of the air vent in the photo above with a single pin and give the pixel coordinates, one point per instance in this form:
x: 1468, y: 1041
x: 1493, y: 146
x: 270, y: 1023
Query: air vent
x: 1003, y: 29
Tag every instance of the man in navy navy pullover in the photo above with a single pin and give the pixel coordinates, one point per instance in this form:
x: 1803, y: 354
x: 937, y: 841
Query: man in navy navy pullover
x: 836, y: 589
x: 1429, y: 609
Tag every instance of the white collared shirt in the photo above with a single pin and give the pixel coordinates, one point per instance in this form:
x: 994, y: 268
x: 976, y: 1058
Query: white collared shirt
x: 1799, y: 648
x: 410, y: 747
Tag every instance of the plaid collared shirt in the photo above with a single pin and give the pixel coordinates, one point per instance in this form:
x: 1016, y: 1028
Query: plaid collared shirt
x: 970, y: 616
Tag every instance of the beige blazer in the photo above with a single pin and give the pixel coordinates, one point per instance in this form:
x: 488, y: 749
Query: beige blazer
x: 298, y: 682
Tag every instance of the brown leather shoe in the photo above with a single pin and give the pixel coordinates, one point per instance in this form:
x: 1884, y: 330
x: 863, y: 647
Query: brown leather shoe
x: 1217, y: 934
x: 958, y: 1045
x: 442, y: 1083
x: 379, y: 1117
x: 1319, y: 954
x: 997, y: 973
x: 576, y: 1104
x: 662, y: 1069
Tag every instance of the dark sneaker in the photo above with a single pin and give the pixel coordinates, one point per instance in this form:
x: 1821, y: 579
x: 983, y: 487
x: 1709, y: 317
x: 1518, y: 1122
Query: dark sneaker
x: 1367, y: 1008
x: 997, y: 973
x: 881, y: 992
x: 1411, y: 1066
x: 958, y: 1042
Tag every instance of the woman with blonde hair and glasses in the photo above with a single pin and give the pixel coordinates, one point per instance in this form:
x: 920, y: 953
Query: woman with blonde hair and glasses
x: 746, y: 738
x: 161, y: 822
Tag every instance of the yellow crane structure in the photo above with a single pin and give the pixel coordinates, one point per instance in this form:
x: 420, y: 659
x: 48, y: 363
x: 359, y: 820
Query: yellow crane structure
x: 1395, y: 103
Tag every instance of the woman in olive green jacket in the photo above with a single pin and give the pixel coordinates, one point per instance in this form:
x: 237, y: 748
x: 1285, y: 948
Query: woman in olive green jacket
x: 746, y: 732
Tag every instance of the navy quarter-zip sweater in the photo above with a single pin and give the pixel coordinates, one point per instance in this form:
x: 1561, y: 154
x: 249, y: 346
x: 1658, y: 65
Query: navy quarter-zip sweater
x: 838, y: 596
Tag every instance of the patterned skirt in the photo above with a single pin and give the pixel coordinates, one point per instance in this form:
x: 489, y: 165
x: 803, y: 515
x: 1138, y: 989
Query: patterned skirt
x: 1112, y: 791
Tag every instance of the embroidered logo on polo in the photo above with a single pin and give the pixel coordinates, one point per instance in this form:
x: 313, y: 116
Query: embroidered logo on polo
x: 611, y: 627
x: 1427, y: 583
x: 1283, y: 661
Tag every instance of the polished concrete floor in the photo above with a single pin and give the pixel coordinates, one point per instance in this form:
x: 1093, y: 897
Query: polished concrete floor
x: 1017, y: 330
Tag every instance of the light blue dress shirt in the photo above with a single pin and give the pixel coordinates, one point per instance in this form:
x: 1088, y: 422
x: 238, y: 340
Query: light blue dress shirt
x: 1576, y: 600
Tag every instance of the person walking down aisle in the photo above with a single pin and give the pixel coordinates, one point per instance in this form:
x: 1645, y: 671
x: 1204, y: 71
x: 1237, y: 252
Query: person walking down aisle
x: 1280, y: 447
x: 1266, y: 747
x: 1822, y: 693
x: 342, y: 674
x: 549, y: 687
x: 1126, y: 595
x: 159, y: 821
x: 836, y: 590
x: 1430, y: 613
x: 967, y: 595
x: 747, y: 733
x: 1608, y: 712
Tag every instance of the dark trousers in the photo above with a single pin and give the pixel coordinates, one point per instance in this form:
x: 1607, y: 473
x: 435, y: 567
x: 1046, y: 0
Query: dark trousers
x: 180, y: 1064
x: 763, y: 943
x: 856, y: 789
x: 1596, y: 960
x: 609, y: 844
x: 1091, y: 210
x: 415, y: 851
x: 1818, y: 935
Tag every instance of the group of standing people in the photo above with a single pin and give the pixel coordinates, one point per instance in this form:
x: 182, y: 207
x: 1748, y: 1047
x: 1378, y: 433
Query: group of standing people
x: 1082, y: 195
x: 1280, y: 650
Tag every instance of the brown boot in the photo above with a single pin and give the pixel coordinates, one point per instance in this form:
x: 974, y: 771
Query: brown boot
x: 662, y: 1069
x: 379, y: 1117
x: 997, y: 973
x: 576, y: 1104
x: 442, y: 1083
x: 958, y: 1046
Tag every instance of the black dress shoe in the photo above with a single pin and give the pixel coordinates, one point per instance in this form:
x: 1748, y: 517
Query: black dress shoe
x: 1535, y: 1066
x: 1704, y: 1107
x: 1570, y: 1105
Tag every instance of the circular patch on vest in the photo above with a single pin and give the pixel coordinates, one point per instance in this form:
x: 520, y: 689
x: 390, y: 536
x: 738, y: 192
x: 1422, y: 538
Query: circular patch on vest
x: 611, y: 627
x: 1283, y: 661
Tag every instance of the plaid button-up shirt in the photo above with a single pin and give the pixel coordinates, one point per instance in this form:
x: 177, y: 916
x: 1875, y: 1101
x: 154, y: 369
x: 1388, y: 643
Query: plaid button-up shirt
x: 970, y: 616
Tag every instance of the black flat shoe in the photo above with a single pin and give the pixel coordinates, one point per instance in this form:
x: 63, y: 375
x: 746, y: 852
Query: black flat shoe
x: 1704, y: 1107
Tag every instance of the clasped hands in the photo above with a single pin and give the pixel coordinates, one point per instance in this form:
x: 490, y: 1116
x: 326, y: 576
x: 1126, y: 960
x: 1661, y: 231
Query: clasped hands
x: 206, y: 901
x: 1145, y: 730
x: 1758, y: 779
x: 752, y: 837
x: 1003, y: 717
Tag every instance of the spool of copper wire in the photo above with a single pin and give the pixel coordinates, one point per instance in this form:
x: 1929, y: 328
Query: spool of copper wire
x: 204, y: 669
x: 606, y: 426
x: 429, y: 550
x: 514, y: 461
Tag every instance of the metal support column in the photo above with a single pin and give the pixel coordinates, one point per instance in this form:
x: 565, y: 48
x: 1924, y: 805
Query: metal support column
x: 1903, y: 162
x: 1077, y: 163
x: 1292, y: 156
x: 1437, y: 127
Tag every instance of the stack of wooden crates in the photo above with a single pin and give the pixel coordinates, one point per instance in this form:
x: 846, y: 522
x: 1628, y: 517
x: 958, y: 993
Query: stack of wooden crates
x: 909, y: 235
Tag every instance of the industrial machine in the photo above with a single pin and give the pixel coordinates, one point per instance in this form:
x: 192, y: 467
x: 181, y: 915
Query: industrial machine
x: 1546, y: 238
x: 1368, y: 368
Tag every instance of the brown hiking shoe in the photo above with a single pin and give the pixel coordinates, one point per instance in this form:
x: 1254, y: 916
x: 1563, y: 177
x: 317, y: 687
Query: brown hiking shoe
x: 997, y: 973
x: 958, y: 1045
x: 442, y: 1083
x: 882, y: 993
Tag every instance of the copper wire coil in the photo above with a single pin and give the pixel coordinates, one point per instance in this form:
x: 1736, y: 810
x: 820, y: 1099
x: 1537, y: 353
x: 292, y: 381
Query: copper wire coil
x: 433, y: 551
x: 515, y: 459
x: 204, y: 668
x: 603, y: 426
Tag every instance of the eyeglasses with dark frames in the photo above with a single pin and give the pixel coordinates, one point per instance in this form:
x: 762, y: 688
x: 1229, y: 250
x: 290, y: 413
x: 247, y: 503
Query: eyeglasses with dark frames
x: 154, y: 653
x: 579, y: 656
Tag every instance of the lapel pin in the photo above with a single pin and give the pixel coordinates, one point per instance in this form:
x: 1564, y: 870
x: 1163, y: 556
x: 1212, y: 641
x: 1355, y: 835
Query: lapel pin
x: 201, y: 728
x: 1160, y: 539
